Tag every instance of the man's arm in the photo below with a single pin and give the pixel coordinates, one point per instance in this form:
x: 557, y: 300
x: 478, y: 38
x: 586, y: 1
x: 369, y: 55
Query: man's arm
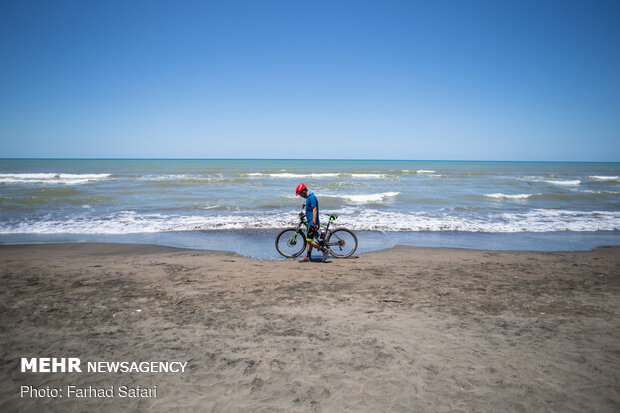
x: 314, y: 215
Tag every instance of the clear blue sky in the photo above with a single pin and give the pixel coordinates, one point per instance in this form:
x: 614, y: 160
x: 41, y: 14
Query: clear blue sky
x: 488, y: 80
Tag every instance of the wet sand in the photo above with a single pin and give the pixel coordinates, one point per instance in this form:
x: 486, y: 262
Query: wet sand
x: 404, y: 329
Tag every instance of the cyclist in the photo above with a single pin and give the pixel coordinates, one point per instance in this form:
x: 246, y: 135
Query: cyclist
x: 312, y: 215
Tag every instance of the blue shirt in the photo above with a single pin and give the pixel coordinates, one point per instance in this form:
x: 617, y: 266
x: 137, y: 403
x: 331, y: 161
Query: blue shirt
x: 312, y: 202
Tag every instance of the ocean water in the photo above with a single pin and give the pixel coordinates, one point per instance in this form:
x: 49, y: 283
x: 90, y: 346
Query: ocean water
x: 198, y: 203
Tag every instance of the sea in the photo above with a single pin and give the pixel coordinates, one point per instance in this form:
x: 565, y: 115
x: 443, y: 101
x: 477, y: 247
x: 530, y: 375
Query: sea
x: 239, y: 205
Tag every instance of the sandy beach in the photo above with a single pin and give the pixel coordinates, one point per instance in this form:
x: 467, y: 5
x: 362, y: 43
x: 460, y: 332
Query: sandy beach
x: 404, y: 329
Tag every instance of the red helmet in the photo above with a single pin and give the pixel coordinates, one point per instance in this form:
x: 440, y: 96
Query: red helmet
x: 300, y: 188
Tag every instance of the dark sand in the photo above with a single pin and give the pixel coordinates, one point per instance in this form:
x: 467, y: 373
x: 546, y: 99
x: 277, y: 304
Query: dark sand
x: 405, y: 329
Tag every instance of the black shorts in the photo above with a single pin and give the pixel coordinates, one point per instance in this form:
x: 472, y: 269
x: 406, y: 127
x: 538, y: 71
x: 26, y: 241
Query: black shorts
x: 312, y: 233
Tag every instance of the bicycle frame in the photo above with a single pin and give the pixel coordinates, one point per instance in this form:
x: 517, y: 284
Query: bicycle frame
x: 303, y: 221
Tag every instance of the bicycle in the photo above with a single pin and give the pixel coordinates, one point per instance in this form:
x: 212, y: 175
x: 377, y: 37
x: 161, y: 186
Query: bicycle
x: 340, y: 243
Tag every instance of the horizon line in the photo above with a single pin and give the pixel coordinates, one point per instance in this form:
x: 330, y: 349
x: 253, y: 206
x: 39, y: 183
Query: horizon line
x: 291, y: 159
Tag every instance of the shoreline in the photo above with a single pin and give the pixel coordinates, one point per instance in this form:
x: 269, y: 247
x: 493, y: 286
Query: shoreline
x: 259, y: 243
x: 145, y: 248
x: 407, y: 328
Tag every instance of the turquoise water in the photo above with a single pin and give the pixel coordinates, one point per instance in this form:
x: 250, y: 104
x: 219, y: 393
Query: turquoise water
x: 114, y: 199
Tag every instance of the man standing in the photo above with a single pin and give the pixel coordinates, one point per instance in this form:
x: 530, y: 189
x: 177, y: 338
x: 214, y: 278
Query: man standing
x: 312, y: 215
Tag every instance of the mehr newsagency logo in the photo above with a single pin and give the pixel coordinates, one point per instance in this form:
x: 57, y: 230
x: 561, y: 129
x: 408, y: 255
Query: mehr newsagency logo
x: 74, y: 365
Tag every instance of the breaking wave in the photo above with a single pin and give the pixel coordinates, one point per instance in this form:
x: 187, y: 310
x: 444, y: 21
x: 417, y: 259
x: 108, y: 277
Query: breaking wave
x: 127, y: 222
x: 505, y: 196
x: 51, y: 178
x: 366, y: 198
x: 317, y: 175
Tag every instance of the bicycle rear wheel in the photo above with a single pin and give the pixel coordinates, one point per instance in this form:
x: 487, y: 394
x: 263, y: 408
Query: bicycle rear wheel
x: 290, y: 243
x: 341, y: 243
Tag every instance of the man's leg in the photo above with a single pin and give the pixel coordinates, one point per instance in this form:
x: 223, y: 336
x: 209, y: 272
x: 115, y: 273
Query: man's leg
x: 318, y: 248
x: 311, y: 244
x: 308, y: 256
x: 309, y: 238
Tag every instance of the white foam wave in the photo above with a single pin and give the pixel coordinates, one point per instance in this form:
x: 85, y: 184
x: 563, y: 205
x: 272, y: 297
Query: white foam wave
x: 180, y: 177
x: 366, y: 198
x: 539, y: 220
x: 51, y: 178
x: 131, y: 222
x: 353, y: 199
x: 292, y: 175
x: 368, y: 176
x: 589, y: 191
x: 573, y: 182
x: 316, y: 175
x: 127, y: 222
x: 562, y: 182
x: 513, y: 196
x: 605, y: 178
x: 420, y: 171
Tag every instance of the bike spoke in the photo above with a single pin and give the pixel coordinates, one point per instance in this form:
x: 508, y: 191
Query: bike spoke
x: 290, y: 243
x: 345, y: 243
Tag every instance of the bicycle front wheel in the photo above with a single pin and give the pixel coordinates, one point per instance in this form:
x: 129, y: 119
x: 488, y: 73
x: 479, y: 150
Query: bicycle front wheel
x: 341, y: 243
x: 290, y: 242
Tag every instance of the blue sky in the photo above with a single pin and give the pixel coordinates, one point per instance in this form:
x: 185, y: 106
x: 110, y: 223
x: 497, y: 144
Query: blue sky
x: 480, y: 80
